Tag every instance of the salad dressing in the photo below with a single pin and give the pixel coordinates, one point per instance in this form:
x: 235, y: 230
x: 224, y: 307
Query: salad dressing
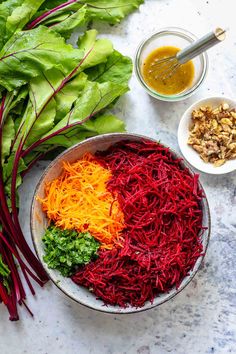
x: 181, y: 79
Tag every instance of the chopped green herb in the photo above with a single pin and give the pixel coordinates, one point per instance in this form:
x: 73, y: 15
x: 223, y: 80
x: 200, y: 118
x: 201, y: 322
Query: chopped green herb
x: 65, y: 250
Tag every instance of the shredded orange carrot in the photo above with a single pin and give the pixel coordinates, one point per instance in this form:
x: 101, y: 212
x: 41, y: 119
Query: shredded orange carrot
x: 79, y: 200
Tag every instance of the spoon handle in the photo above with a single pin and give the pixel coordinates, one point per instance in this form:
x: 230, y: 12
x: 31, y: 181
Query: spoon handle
x: 201, y: 45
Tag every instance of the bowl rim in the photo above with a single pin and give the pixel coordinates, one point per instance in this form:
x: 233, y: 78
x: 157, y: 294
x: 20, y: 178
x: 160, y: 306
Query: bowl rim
x: 148, y: 305
x: 178, y: 31
x: 179, y: 131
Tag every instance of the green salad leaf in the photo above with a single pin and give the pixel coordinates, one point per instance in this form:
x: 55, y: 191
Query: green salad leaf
x: 94, y: 98
x: 14, y: 15
x: 66, y: 16
x: 52, y: 96
x: 58, y: 109
x: 101, y: 124
x: 65, y: 250
x: 21, y: 15
x: 117, y: 68
x: 29, y: 53
x: 8, y: 135
x: 111, y: 11
x: 48, y: 5
x: 65, y: 23
x: 58, y: 101
x: 104, y: 124
x: 68, y: 95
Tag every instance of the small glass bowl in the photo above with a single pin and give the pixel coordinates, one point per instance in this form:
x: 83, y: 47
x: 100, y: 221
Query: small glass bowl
x: 176, y: 37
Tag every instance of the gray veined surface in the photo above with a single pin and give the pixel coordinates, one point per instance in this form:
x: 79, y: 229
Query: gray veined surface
x: 202, y: 319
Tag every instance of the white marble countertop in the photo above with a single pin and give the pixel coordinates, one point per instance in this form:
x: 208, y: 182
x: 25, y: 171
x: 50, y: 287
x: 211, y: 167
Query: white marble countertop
x: 201, y: 319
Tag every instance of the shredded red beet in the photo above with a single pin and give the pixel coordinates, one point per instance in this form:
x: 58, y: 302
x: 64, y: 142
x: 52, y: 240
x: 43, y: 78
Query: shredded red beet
x: 161, y: 203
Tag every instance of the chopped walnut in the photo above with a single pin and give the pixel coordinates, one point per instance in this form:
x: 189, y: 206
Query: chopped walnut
x: 213, y: 133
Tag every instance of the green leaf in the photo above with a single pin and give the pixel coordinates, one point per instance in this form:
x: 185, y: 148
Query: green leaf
x: 101, y: 124
x: 6, y: 8
x: 43, y: 123
x: 68, y: 95
x: 29, y: 53
x: 53, y: 13
x: 94, y: 98
x: 61, y: 101
x: 7, y: 168
x: 53, y: 83
x: 38, y: 118
x: 102, y: 10
x: 111, y: 11
x: 47, y: 5
x: 67, y: 22
x: 40, y: 109
x: 98, y: 50
x: 106, y: 124
x: 21, y: 15
x: 14, y: 102
x: 56, y: 20
x: 19, y: 97
x: 68, y: 139
x: 4, y: 270
x: 117, y: 68
x: 14, y: 14
x: 7, y: 136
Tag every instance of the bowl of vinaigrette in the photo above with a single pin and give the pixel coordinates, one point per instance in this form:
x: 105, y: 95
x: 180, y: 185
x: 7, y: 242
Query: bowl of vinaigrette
x: 184, y: 81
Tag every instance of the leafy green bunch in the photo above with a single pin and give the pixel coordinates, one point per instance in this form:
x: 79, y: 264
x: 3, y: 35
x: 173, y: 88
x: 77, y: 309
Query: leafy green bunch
x: 52, y: 96
x: 62, y: 105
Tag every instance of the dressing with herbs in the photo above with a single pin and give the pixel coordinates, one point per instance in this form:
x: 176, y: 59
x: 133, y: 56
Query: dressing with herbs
x: 179, y: 81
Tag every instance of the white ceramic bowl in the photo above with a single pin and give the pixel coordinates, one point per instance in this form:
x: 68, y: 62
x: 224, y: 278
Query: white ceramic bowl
x: 39, y: 225
x: 183, y: 133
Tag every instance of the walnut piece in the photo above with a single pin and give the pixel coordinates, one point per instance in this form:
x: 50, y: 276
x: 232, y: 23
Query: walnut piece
x: 213, y: 133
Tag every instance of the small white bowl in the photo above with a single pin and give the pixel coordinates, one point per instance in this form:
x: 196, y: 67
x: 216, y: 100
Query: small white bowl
x: 183, y: 133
